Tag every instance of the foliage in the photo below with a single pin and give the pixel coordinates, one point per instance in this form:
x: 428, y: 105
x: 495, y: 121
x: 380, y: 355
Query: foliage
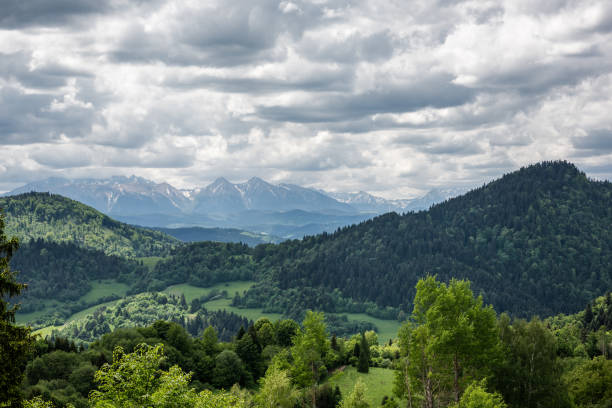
x: 136, y: 380
x: 590, y: 383
x: 15, y: 341
x: 536, y: 241
x: 276, y: 390
x: 310, y: 345
x: 146, y: 308
x: 357, y: 398
x: 452, y: 338
x: 201, y: 264
x: 530, y: 374
x: 364, y: 355
x: 37, y: 402
x: 476, y: 396
x: 55, y: 218
x: 64, y: 271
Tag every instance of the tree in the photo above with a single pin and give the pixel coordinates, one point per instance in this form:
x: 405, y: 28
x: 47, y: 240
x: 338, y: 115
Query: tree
x: 309, y: 347
x: 357, y: 397
x: 276, y: 390
x: 15, y: 341
x: 229, y: 369
x: 589, y: 383
x: 452, y: 338
x: 209, y: 341
x: 465, y: 331
x: 476, y: 396
x: 530, y: 374
x: 136, y: 380
x: 363, y: 365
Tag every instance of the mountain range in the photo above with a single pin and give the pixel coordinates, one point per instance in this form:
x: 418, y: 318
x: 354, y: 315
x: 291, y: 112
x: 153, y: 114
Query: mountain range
x: 283, y: 210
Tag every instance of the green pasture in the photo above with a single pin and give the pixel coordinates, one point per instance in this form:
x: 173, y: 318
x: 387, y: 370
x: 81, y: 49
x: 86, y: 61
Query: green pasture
x: 379, y: 382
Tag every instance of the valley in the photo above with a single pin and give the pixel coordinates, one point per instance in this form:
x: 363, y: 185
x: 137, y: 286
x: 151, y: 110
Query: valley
x: 534, y: 246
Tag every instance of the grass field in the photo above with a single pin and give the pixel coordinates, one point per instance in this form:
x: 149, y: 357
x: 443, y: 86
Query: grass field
x: 379, y: 382
x: 23, y: 318
x: 251, y: 314
x: 387, y: 329
x: 103, y: 288
x: 193, y: 292
x: 89, y: 311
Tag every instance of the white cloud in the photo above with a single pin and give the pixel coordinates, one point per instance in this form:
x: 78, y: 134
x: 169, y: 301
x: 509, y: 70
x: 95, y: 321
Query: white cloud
x: 387, y: 97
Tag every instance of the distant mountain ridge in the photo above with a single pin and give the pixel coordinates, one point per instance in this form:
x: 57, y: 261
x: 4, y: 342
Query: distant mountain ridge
x: 254, y: 205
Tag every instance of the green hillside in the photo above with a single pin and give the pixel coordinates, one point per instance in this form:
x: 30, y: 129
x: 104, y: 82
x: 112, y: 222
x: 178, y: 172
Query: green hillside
x: 536, y: 241
x: 65, y: 272
x: 56, y: 218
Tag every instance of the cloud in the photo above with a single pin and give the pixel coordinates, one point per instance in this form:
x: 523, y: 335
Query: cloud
x: 218, y: 34
x: 29, y: 118
x: 388, y: 97
x: 20, y: 14
x: 596, y: 142
x: 438, y: 92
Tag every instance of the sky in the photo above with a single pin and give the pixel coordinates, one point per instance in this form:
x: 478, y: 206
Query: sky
x: 390, y: 97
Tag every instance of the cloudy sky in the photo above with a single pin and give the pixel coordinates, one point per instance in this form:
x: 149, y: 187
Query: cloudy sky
x: 391, y: 97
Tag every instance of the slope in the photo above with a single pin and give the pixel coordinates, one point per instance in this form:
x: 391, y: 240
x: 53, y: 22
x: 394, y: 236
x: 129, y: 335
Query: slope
x: 60, y: 219
x: 536, y: 241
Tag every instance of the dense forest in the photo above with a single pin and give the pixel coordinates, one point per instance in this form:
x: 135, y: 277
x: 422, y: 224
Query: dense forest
x: 64, y: 271
x: 468, y: 357
x: 55, y: 218
x: 536, y: 241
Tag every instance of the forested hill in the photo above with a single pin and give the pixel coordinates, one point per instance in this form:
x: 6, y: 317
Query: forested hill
x: 536, y: 241
x: 56, y: 218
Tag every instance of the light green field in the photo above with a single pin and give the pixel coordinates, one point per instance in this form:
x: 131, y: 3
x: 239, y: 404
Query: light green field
x: 45, y: 331
x: 379, y: 382
x: 387, y: 329
x: 103, y: 288
x: 89, y: 311
x: 23, y: 318
x: 251, y: 314
x: 193, y: 292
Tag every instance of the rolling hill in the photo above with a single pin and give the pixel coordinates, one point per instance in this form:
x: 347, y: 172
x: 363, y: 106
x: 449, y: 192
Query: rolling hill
x: 536, y: 241
x: 56, y: 218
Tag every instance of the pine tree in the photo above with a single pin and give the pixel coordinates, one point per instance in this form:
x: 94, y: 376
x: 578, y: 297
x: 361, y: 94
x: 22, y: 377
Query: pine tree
x: 363, y: 366
x: 15, y: 341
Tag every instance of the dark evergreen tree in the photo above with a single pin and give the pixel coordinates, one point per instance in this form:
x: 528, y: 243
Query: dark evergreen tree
x: 363, y: 365
x: 15, y: 341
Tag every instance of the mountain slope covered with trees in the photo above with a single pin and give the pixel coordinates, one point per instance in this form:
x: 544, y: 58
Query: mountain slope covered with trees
x: 536, y: 241
x: 60, y: 219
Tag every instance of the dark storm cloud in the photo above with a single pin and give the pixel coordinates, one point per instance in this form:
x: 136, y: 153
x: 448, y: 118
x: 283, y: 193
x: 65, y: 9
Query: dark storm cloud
x: 16, y: 14
x: 436, y: 92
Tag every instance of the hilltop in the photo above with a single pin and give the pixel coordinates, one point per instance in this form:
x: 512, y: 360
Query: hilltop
x: 535, y: 241
x: 56, y: 218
